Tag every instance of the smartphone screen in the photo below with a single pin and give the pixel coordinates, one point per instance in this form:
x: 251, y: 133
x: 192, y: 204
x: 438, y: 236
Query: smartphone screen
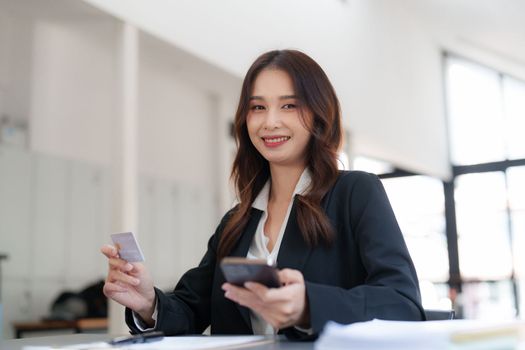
x: 238, y: 271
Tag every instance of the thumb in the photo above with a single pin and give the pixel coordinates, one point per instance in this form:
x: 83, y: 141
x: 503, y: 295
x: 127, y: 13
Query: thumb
x: 289, y: 276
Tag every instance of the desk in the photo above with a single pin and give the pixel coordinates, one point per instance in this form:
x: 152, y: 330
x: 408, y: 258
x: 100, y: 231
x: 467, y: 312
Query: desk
x: 78, y: 326
x: 2, y: 257
x: 61, y: 340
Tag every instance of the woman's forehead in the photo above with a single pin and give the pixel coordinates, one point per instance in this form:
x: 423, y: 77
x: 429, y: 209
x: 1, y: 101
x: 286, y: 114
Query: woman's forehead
x: 273, y: 83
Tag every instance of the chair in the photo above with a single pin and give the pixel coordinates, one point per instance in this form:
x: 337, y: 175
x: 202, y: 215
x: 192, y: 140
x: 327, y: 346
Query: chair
x: 439, y: 315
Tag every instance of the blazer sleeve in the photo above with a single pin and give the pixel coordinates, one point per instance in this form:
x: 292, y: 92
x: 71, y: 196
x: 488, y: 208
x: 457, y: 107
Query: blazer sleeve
x: 186, y: 310
x: 391, y: 288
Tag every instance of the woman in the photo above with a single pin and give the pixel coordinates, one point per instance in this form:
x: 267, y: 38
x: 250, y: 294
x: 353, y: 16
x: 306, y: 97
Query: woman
x: 332, y: 233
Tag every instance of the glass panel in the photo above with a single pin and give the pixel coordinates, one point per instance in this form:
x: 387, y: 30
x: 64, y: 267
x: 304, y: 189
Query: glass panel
x: 344, y: 163
x: 482, y: 222
x: 475, y: 113
x: 516, y: 185
x: 514, y: 99
x: 371, y: 165
x: 489, y: 301
x: 521, y: 293
x: 518, y: 244
x: 435, y: 296
x: 516, y: 190
x: 418, y: 204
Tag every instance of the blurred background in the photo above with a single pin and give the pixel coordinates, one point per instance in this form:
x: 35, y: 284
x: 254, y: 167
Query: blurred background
x: 116, y: 116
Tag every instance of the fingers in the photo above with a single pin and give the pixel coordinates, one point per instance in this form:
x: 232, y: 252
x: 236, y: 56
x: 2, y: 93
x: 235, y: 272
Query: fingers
x: 255, y: 295
x: 119, y: 264
x: 240, y: 295
x: 119, y: 276
x: 267, y: 295
x: 109, y: 251
x: 112, y: 288
x: 276, y: 305
x: 288, y: 276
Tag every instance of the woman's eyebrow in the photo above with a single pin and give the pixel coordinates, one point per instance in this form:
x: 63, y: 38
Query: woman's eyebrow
x: 283, y: 97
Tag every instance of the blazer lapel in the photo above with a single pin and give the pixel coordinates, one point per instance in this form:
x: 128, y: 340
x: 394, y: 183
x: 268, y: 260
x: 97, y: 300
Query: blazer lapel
x: 294, y: 251
x: 241, y: 249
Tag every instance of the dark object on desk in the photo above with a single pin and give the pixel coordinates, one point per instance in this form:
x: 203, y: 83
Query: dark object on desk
x: 88, y: 303
x: 2, y: 257
x: 84, y: 311
x: 68, y: 306
x: 439, y: 315
x: 137, y: 338
x: 97, y: 303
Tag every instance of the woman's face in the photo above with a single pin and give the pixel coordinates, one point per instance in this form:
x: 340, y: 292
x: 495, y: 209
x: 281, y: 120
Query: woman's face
x: 274, y: 121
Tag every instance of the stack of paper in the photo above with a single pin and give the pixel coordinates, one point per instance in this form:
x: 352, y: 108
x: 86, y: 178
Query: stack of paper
x: 429, y: 335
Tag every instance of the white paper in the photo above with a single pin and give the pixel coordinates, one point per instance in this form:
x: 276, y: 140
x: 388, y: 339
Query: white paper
x: 172, y: 343
x: 405, y: 335
x: 85, y: 346
x: 198, y: 342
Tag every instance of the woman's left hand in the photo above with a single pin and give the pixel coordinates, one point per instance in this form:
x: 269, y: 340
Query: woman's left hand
x: 280, y: 307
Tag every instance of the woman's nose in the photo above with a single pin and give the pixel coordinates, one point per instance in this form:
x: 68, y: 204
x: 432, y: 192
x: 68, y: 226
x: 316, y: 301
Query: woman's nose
x: 272, y: 120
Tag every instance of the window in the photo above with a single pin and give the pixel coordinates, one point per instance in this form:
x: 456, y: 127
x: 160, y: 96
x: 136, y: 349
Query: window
x: 418, y: 204
x: 474, y: 113
x: 516, y: 188
x: 486, y: 115
x: 514, y: 108
x: 481, y: 210
x: 482, y: 226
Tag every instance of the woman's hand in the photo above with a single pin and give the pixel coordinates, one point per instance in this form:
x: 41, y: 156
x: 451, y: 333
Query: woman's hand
x: 129, y: 284
x: 280, y: 307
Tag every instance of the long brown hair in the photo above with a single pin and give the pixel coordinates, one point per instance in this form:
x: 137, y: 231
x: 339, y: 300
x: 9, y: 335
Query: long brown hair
x: 251, y: 170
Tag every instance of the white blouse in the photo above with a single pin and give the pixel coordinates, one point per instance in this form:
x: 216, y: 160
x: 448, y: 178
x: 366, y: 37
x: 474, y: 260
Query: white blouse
x: 259, y: 246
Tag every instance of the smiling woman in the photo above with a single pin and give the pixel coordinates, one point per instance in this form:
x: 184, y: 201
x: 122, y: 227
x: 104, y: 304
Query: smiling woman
x: 340, y: 253
x: 275, y: 124
x: 286, y: 91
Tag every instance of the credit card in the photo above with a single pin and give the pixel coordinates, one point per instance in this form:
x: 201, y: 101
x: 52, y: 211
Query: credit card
x: 127, y: 246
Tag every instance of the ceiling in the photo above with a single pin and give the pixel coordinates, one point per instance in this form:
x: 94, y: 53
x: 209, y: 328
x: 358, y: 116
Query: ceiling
x: 495, y: 26
x: 50, y: 8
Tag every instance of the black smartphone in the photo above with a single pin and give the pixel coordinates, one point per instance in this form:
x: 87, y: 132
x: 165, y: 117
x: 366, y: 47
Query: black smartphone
x: 147, y: 337
x: 237, y: 271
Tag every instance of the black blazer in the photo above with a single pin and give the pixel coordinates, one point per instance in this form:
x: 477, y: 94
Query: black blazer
x: 366, y: 273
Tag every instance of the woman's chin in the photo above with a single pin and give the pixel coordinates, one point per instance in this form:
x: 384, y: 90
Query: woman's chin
x: 283, y: 161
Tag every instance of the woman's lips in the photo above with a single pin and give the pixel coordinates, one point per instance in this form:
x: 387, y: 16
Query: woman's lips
x: 275, y: 141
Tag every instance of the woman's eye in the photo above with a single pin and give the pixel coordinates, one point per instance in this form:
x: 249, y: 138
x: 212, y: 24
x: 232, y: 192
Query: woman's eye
x: 257, y: 108
x: 289, y: 106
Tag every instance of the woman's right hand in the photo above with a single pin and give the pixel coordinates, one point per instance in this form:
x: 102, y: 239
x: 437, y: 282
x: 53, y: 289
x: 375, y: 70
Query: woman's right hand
x: 129, y: 284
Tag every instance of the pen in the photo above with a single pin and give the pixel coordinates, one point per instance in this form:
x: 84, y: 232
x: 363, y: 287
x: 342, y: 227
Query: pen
x: 138, y: 338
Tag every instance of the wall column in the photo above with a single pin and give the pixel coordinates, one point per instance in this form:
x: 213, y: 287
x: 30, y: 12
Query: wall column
x: 124, y: 174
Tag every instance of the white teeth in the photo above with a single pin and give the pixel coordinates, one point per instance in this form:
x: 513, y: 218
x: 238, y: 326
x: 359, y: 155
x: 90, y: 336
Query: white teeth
x: 278, y: 139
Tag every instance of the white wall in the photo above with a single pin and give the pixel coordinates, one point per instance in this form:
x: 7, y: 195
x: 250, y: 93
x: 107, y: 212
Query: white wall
x: 485, y: 31
x: 394, y: 99
x: 53, y: 217
x: 15, y: 66
x: 74, y: 88
x: 55, y: 199
x: 179, y: 131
